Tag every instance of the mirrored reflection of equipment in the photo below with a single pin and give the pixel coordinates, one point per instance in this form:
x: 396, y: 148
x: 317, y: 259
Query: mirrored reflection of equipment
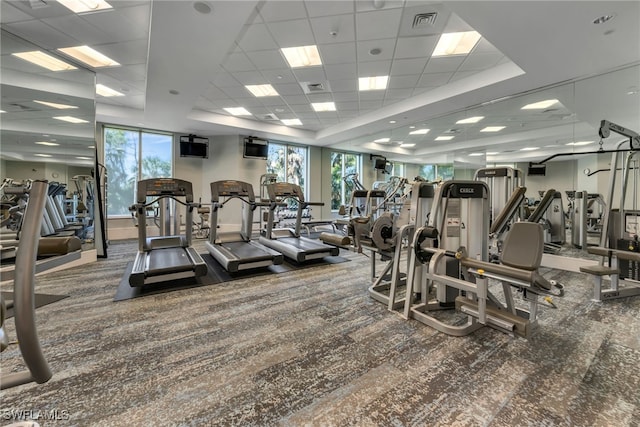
x: 170, y: 255
x: 502, y: 182
x: 23, y: 297
x: 288, y: 241
x: 453, y: 249
x: 234, y: 250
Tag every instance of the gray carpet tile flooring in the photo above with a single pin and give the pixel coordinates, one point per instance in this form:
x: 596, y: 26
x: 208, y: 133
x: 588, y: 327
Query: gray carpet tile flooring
x: 309, y: 347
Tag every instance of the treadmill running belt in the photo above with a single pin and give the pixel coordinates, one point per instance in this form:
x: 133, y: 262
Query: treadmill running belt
x: 168, y: 260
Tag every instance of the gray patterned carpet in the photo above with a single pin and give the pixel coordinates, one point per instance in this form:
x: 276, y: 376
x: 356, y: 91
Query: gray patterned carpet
x: 310, y: 347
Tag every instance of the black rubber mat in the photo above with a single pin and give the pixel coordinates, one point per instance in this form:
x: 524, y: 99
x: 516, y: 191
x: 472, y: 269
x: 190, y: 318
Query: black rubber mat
x: 40, y: 300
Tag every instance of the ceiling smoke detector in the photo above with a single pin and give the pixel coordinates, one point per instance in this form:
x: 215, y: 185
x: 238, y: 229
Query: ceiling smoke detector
x: 422, y: 20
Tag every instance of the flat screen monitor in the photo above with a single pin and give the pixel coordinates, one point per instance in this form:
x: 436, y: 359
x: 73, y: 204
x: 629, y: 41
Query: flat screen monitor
x: 380, y: 163
x: 537, y: 169
x: 194, y: 146
x: 255, y: 148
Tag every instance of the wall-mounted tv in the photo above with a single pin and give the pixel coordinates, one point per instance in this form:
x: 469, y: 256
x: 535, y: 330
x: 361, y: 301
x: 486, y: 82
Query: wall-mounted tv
x: 537, y: 169
x: 255, y: 148
x: 194, y: 146
x: 379, y: 163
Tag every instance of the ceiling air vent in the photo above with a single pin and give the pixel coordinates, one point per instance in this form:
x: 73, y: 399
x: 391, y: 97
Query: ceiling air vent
x: 422, y: 20
x: 453, y: 131
x: 15, y: 107
x: 315, y: 87
x: 270, y: 116
x: 37, y: 4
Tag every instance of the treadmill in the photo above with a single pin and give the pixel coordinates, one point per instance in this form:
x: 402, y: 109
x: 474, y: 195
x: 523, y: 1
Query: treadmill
x: 286, y: 240
x: 235, y: 251
x: 167, y: 257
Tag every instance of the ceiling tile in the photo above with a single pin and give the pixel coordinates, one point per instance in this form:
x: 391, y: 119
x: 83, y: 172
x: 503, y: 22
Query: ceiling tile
x: 341, y: 71
x: 267, y: 59
x: 380, y: 24
x: 403, y: 82
x: 273, y: 101
x: 398, y: 93
x: 224, y: 79
x: 434, y: 79
x: 334, y: 29
x: 236, y: 92
x: 257, y: 37
x: 288, y: 89
x: 306, y: 116
x: 338, y: 53
x: 292, y: 33
x: 9, y: 13
x: 443, y: 65
x: 461, y: 75
x: 238, y: 62
x: 320, y: 97
x: 346, y: 96
x: 386, y: 46
x: 347, y: 105
x: 310, y: 74
x: 369, y: 105
x: 456, y: 24
x: 126, y: 53
x: 282, y: 10
x: 41, y: 35
x: 344, y: 85
x: 363, y: 6
x: 403, y: 67
x: 297, y: 99
x: 483, y: 46
x: 213, y: 92
x: 301, y: 108
x: 325, y: 8
x: 378, y: 68
x: 249, y: 77
x: 480, y: 61
x: 371, y: 95
x: 416, y: 47
x: 127, y: 73
x: 122, y: 23
x: 282, y: 75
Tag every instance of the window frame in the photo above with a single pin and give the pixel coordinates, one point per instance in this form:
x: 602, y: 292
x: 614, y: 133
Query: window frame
x: 343, y: 184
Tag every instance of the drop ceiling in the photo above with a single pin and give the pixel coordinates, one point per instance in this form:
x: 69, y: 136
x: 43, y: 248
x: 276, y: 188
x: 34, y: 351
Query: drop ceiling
x: 180, y: 68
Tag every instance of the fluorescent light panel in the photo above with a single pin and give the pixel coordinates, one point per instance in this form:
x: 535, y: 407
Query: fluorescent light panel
x: 262, y: 90
x: 51, y: 144
x: 475, y: 119
x: 529, y: 148
x: 492, y: 129
x: 302, y: 56
x: 373, y: 83
x: 44, y: 60
x: 323, y: 106
x: 419, y: 132
x: 237, y: 111
x: 382, y: 140
x: 476, y: 154
x: 291, y: 122
x: 89, y: 56
x: 42, y: 155
x: 492, y: 153
x: 407, y: 145
x: 444, y: 138
x: 106, y: 91
x: 70, y: 119
x: 55, y: 105
x: 456, y: 43
x: 580, y: 143
x: 81, y: 6
x: 541, y: 105
x: 83, y: 158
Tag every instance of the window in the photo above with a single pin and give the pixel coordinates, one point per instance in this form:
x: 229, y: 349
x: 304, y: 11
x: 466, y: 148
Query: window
x: 397, y: 169
x: 437, y: 172
x: 343, y: 164
x: 131, y: 155
x: 289, y: 163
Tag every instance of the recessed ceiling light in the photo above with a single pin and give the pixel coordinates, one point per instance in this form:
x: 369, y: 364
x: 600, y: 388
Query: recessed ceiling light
x: 44, y: 60
x: 89, y: 56
x: 382, y: 140
x: 529, y: 148
x: 71, y: 119
x: 392, y: 122
x: 419, y: 132
x: 475, y: 119
x: 444, y: 138
x: 580, y: 143
x: 492, y: 153
x: 412, y: 127
x: 373, y: 83
x: 456, y: 43
x: 2, y: 111
x: 262, y: 90
x: 291, y: 122
x: 604, y: 18
x: 54, y: 105
x: 302, y: 56
x: 106, y: 91
x: 51, y: 144
x: 492, y: 129
x: 323, y: 106
x: 476, y: 154
x: 83, y: 158
x: 42, y: 155
x: 80, y: 6
x: 407, y: 145
x: 375, y: 51
x: 237, y: 111
x: 541, y: 105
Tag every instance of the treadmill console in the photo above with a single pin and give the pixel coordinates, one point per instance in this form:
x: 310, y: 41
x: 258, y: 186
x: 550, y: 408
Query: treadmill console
x: 163, y: 187
x: 230, y: 188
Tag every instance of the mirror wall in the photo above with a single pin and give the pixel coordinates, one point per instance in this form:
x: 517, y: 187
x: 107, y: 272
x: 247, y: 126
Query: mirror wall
x: 48, y: 124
